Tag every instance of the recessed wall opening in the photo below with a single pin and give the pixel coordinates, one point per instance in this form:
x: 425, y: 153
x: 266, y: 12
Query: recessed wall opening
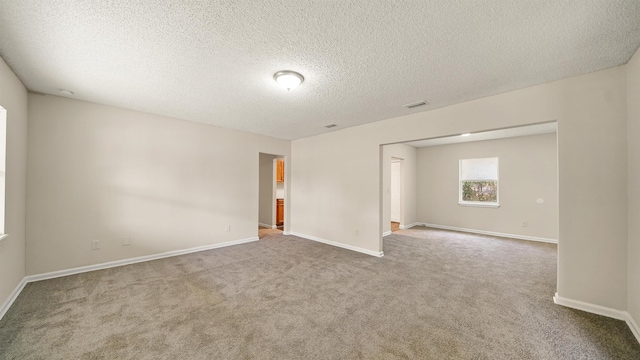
x: 501, y: 183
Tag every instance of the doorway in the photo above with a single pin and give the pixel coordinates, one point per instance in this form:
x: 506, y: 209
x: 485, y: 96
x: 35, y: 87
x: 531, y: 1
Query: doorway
x: 396, y: 195
x: 272, y: 195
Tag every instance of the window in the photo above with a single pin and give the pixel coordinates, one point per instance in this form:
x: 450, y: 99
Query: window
x: 3, y: 150
x: 479, y: 182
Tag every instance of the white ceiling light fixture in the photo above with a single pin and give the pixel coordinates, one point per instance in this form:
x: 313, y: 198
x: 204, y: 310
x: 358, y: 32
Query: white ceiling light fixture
x: 66, y: 92
x: 466, y: 134
x: 288, y: 79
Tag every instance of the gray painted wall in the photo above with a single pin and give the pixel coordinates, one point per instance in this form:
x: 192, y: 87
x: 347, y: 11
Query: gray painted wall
x: 13, y: 97
x: 103, y: 173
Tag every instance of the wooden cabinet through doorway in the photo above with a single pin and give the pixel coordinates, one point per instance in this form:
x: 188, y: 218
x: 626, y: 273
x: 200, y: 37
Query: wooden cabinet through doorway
x: 279, y: 212
x: 280, y: 171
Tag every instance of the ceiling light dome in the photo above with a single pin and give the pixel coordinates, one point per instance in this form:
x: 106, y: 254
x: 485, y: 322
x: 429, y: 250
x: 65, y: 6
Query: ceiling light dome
x: 288, y: 79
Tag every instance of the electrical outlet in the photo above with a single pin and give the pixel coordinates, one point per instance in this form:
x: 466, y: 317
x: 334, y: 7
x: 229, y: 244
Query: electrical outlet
x: 227, y: 228
x: 126, y: 241
x: 525, y: 223
x: 95, y: 245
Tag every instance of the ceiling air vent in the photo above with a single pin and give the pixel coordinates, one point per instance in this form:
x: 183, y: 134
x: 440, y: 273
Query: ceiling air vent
x: 416, y: 104
x: 329, y: 126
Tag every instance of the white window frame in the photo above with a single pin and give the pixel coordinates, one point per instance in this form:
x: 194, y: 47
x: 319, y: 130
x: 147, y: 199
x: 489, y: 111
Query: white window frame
x: 479, y: 203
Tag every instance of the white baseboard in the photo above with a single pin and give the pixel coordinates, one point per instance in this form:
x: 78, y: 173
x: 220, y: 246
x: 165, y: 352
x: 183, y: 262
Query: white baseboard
x: 83, y: 269
x: 274, y: 226
x: 492, y: 233
x: 14, y: 295
x: 633, y: 325
x: 54, y: 274
x: 266, y: 225
x: 404, y: 227
x: 386, y: 233
x: 341, y: 245
x: 588, y: 307
x: 600, y: 310
x: 3, y: 237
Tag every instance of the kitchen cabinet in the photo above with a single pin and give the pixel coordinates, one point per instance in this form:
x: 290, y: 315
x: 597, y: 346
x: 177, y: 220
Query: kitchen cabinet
x: 279, y: 212
x: 280, y: 171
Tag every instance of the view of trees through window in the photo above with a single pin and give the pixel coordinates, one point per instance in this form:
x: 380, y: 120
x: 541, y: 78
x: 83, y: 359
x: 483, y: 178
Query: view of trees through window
x: 483, y: 191
x: 479, y: 181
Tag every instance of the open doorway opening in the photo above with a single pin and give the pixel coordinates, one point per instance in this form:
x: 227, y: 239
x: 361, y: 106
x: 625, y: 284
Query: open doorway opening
x: 398, y: 179
x: 272, y: 195
x: 396, y: 194
x: 501, y: 182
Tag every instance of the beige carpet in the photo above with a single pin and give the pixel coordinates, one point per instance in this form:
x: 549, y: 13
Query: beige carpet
x: 434, y: 295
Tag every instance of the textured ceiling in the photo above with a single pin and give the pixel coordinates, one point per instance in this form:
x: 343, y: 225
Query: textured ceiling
x: 213, y: 61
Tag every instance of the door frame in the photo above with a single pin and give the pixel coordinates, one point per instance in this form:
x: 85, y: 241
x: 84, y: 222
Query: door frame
x: 285, y: 158
x: 400, y: 161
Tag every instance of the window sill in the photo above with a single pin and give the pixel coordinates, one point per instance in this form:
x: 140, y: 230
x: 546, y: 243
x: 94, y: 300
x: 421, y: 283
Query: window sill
x: 3, y: 237
x: 477, y: 204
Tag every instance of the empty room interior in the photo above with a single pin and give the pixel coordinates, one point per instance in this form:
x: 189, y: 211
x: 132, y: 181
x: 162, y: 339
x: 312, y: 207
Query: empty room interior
x: 320, y: 180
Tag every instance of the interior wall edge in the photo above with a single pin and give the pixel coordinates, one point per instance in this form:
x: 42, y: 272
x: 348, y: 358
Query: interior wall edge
x: 600, y: 310
x: 340, y: 245
x: 12, y: 297
x: 14, y: 99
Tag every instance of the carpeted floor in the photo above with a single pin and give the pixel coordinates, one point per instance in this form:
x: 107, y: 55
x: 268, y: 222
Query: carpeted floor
x: 434, y: 295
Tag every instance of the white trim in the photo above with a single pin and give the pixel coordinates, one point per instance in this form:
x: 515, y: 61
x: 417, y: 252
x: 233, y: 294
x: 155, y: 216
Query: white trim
x: 404, y: 227
x: 600, y: 310
x: 55, y: 274
x: 633, y: 325
x: 14, y: 295
x: 267, y: 225
x: 274, y: 226
x: 341, y: 245
x: 3, y: 237
x: 588, y: 307
x: 460, y: 180
x: 386, y: 233
x: 492, y: 233
x: 83, y: 269
x: 478, y: 204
